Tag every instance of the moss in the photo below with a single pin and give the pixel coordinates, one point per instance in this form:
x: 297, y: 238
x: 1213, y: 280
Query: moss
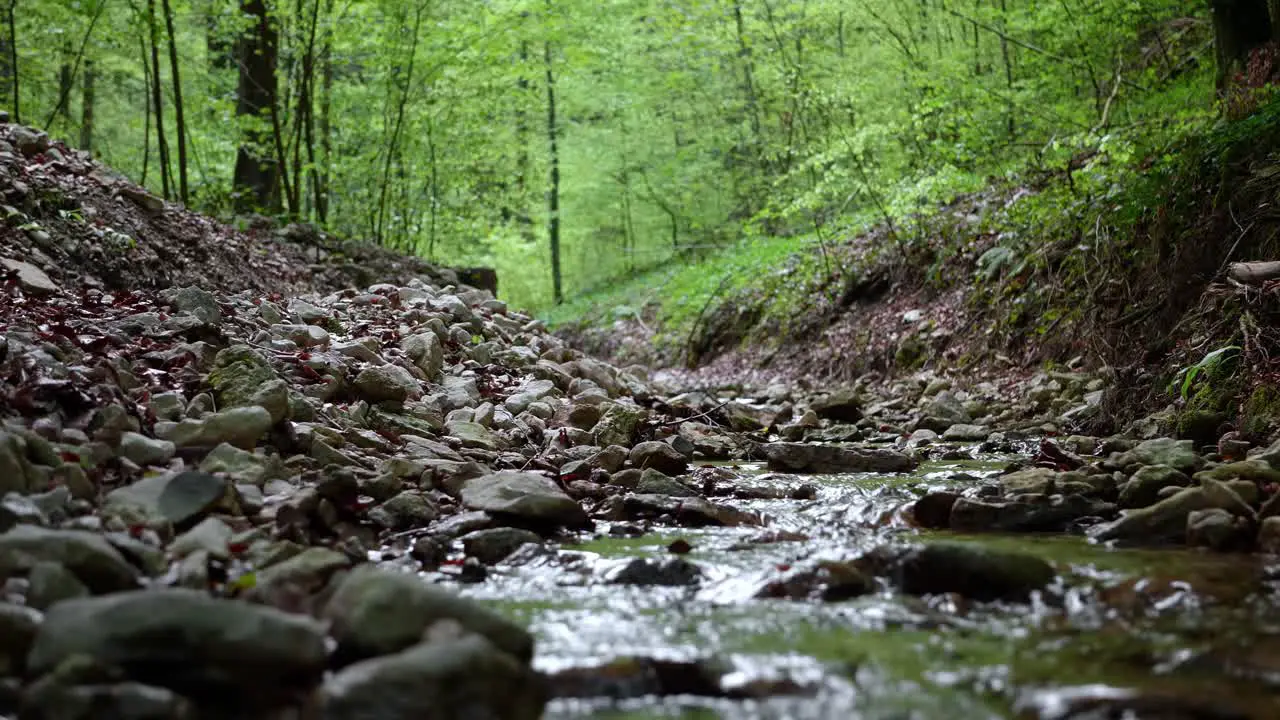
x: 911, y: 353
x: 1260, y: 411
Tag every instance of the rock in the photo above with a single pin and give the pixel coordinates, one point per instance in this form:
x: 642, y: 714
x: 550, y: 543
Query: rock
x: 176, y: 498
x: 118, y: 701
x: 241, y: 377
x: 474, y: 435
x: 450, y: 679
x: 962, y: 432
x: 18, y: 509
x: 948, y: 409
x: 1034, y: 480
x: 210, y: 536
x: 378, y: 612
x: 1163, y: 522
x: 527, y: 496
x: 650, y: 571
x: 1217, y: 529
x: 842, y: 406
x: 529, y: 393
x: 86, y: 555
x: 304, y: 574
x: 922, y: 438
x: 387, y: 383
x: 618, y: 426
x: 1056, y: 513
x: 1177, y: 454
x: 1269, y: 535
x: 1257, y: 471
x: 199, y: 303
x: 18, y: 628
x: 50, y: 583
x: 1143, y: 487
x: 972, y: 571
x: 655, y: 483
x: 800, y: 457
x: 144, y: 451
x: 493, y: 545
x: 30, y: 142
x: 240, y: 427
x: 426, y: 351
x: 30, y: 278
x: 827, y: 580
x: 660, y: 456
x: 933, y: 511
x: 409, y: 509
x: 707, y: 441
x: 220, y: 652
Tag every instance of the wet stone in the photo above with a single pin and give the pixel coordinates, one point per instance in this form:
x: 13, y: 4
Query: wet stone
x: 652, y: 571
x: 492, y: 546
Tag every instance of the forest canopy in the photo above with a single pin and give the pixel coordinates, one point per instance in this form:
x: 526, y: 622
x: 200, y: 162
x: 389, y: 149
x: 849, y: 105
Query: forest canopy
x: 567, y: 143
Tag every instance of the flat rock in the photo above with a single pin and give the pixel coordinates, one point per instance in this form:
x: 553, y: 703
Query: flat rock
x: 524, y: 495
x: 975, y: 572
x: 377, y: 612
x: 387, y: 383
x: 172, y: 497
x: 214, y: 650
x: 240, y: 426
x: 86, y: 555
x: 807, y: 458
x: 454, y: 678
x: 30, y: 278
x: 660, y: 456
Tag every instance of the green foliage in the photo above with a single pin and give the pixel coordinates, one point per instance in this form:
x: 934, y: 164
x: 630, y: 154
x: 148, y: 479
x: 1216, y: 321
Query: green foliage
x: 687, y: 127
x: 1214, y: 366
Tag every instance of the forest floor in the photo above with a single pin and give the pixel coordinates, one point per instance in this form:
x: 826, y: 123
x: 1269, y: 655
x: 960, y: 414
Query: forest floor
x: 253, y: 474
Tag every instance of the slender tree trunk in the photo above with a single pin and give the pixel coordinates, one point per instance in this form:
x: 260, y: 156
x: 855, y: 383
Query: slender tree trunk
x: 157, y: 105
x: 177, y: 103
x: 326, y: 101
x: 393, y: 146
x: 1011, y: 123
x: 553, y: 192
x: 748, y: 81
x: 66, y: 79
x: 256, y: 176
x: 146, y: 106
x: 1273, y: 6
x: 9, y: 64
x: 86, y: 106
x: 525, y: 217
x: 1239, y: 26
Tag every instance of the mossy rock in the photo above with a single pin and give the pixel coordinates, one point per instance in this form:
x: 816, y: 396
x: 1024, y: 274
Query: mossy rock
x: 911, y: 353
x: 1261, y: 411
x: 1200, y: 426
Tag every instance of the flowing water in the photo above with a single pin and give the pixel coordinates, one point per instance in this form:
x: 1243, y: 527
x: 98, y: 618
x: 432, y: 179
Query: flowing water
x: 1160, y: 633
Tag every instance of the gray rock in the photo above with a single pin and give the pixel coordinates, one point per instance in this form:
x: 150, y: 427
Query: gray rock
x: 30, y: 142
x: 176, y: 498
x: 528, y: 394
x: 528, y: 496
x: 194, y: 301
x: 18, y: 509
x: 1217, y: 529
x: 87, y: 555
x: 962, y: 432
x: 306, y: 336
x: 210, y: 536
x: 475, y: 435
x: 408, y: 509
x: 972, y: 571
x: 30, y: 278
x: 1177, y: 454
x: 378, y: 612
x: 144, y: 451
x: 242, y: 466
x: 1163, y: 522
x: 50, y: 583
x: 805, y: 458
x: 618, y: 425
x: 387, y: 383
x: 493, y: 545
x: 217, y: 651
x: 18, y: 628
x: 655, y: 483
x: 241, y: 427
x: 454, y: 678
x: 660, y: 456
x: 119, y: 701
x: 1055, y: 513
x: 1269, y: 535
x: 946, y: 407
x: 1144, y: 486
x: 16, y: 472
x: 426, y: 351
x: 841, y: 405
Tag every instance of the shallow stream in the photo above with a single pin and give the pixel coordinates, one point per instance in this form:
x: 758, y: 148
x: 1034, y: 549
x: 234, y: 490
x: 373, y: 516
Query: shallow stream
x: 1156, y: 633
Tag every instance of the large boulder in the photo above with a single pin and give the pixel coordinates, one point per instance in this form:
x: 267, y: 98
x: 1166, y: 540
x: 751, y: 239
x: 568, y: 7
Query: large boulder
x: 972, y: 571
x: 807, y: 458
x: 223, y: 652
x: 451, y: 679
x: 1144, y: 486
x: 660, y: 456
x: 377, y: 612
x: 1177, y: 454
x: 527, y: 496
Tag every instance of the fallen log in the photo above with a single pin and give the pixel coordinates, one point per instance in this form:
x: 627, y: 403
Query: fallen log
x: 1254, y: 273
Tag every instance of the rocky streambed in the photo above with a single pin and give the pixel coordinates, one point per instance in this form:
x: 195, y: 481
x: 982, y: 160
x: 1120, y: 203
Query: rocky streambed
x: 410, y: 501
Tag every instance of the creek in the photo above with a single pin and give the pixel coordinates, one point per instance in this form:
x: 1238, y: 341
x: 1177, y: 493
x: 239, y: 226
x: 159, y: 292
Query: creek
x: 1162, y: 633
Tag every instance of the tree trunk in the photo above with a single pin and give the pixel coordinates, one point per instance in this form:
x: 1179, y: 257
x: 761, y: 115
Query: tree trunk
x: 1274, y: 7
x: 86, y: 107
x: 256, y: 176
x: 326, y: 102
x: 9, y: 65
x: 157, y: 106
x: 177, y: 103
x: 553, y: 192
x: 1239, y: 26
x: 65, y: 80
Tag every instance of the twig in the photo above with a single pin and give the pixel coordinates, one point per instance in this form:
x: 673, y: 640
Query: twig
x: 678, y: 421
